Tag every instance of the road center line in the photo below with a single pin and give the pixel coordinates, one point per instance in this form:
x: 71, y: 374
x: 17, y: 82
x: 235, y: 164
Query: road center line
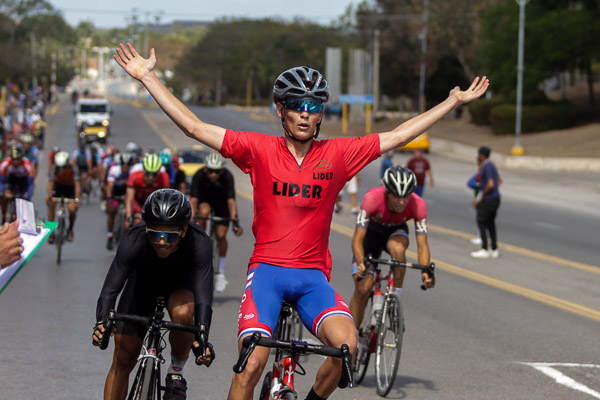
x: 486, y: 280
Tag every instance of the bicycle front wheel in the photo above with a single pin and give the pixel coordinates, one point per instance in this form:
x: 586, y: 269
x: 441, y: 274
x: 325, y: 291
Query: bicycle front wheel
x: 389, y: 344
x: 145, y: 385
x: 59, y: 237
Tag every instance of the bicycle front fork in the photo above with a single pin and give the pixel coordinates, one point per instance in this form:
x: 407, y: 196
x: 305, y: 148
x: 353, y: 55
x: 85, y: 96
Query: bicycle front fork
x: 283, y: 378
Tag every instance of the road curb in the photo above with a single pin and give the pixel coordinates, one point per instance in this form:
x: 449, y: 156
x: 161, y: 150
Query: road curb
x: 467, y: 153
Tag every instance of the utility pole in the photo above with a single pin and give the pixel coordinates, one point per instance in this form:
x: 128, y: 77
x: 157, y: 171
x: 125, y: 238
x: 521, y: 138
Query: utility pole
x: 376, y: 45
x: 423, y: 55
x: 518, y: 150
x: 34, y: 81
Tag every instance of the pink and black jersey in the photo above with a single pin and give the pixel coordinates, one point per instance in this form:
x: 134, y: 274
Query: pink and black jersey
x: 293, y: 204
x: 374, y: 213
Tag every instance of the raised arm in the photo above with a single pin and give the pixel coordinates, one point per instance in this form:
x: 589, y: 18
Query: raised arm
x: 412, y: 128
x: 142, y: 69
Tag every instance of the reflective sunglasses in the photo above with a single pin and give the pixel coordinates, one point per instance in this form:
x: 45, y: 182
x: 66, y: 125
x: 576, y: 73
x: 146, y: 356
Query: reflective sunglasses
x: 311, y: 105
x: 213, y: 171
x: 170, y: 237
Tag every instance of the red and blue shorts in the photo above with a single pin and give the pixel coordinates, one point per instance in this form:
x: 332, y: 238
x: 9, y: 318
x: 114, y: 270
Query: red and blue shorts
x: 267, y: 286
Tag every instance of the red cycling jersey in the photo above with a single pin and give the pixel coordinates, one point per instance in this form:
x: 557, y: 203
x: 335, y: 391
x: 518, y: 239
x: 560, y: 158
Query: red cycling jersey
x: 374, y: 210
x: 137, y: 180
x: 293, y: 204
x: 24, y: 169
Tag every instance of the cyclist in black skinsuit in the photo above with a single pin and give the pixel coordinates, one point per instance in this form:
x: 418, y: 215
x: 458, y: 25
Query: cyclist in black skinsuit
x: 165, y: 256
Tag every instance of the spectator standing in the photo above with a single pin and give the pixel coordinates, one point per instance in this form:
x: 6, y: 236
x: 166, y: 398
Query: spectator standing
x: 486, y: 204
x: 420, y: 166
x: 351, y: 187
x: 386, y: 162
x: 475, y: 183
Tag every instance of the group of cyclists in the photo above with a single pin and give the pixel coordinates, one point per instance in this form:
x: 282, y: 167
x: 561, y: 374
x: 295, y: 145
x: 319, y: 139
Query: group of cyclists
x: 21, y: 132
x: 296, y: 179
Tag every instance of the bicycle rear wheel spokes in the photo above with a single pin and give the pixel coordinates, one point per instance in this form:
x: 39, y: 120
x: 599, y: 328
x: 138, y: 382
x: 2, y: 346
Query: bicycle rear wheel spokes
x: 294, y: 326
x: 389, y: 344
x: 363, y: 355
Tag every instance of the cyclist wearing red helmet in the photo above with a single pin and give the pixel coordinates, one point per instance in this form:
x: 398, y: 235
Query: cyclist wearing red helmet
x: 296, y: 180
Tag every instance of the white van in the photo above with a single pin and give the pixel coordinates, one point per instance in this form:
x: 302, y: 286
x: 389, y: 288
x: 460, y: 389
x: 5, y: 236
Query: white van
x: 93, y: 119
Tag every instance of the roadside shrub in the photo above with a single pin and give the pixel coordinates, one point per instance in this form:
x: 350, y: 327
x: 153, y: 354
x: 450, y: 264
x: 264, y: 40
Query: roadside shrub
x: 480, y: 110
x: 537, y: 118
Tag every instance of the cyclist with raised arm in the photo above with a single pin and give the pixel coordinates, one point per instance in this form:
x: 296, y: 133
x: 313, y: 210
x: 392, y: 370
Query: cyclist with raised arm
x: 141, y: 183
x: 213, y: 190
x: 63, y: 181
x: 116, y: 187
x: 296, y: 179
x: 165, y: 256
x: 16, y: 177
x: 381, y: 225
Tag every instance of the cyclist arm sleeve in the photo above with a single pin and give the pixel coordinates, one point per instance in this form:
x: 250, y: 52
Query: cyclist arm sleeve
x: 1, y: 184
x: 229, y: 186
x: 203, y: 289
x: 116, y: 277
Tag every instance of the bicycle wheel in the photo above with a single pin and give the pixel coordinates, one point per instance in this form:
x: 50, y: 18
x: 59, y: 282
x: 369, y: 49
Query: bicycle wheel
x: 363, y: 355
x: 389, y: 345
x: 145, y: 385
x: 59, y: 237
x: 266, y: 387
x: 294, y: 327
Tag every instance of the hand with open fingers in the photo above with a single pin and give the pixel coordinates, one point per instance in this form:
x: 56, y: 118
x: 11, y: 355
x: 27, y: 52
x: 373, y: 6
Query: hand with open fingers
x: 476, y: 90
x: 133, y: 63
x: 428, y: 282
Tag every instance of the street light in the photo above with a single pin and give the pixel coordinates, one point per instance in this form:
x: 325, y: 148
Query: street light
x: 518, y: 150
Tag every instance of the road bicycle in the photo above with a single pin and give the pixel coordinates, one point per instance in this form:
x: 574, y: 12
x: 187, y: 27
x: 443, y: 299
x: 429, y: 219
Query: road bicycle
x: 60, y: 233
x: 11, y: 206
x: 382, y: 326
x: 147, y: 382
x: 278, y: 384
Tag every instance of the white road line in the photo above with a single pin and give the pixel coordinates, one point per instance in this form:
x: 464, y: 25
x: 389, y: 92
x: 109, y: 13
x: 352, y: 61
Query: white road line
x: 562, y: 379
x: 548, y: 226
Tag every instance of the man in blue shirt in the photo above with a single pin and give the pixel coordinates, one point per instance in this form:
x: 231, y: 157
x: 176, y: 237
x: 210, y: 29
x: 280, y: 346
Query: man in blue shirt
x: 487, y: 203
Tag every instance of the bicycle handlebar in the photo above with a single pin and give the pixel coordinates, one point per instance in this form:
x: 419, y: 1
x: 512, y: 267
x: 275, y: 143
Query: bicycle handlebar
x: 429, y: 269
x: 297, y: 347
x: 143, y: 321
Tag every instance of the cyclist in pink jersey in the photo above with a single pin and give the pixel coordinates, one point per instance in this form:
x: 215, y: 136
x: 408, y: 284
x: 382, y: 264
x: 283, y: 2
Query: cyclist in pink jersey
x: 382, y: 225
x: 296, y: 180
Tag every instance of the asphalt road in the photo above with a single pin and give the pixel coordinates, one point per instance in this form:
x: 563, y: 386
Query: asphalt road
x: 484, y: 332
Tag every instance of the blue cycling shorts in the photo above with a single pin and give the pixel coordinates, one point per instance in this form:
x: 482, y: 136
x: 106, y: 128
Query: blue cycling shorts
x: 267, y: 286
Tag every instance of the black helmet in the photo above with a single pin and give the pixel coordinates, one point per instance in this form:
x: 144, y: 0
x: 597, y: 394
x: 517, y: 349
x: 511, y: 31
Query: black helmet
x: 167, y: 207
x: 301, y: 82
x: 400, y: 181
x: 16, y: 152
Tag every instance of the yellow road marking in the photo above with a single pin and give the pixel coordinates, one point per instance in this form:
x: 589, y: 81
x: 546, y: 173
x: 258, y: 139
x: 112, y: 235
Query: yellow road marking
x: 54, y: 109
x: 166, y: 140
x: 522, y: 251
x: 486, y: 280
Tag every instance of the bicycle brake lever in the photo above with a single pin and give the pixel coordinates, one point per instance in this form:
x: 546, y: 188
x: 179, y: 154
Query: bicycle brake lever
x: 347, y: 378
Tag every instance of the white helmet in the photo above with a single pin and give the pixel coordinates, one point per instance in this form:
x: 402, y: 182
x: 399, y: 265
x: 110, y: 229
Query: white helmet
x: 61, y: 158
x: 400, y: 181
x: 214, y: 161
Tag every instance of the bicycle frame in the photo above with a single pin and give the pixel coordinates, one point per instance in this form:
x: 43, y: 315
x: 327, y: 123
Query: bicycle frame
x: 148, y: 376
x: 279, y: 383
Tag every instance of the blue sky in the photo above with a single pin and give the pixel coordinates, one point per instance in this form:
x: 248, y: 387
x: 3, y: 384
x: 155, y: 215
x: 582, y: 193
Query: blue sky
x: 114, y: 13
